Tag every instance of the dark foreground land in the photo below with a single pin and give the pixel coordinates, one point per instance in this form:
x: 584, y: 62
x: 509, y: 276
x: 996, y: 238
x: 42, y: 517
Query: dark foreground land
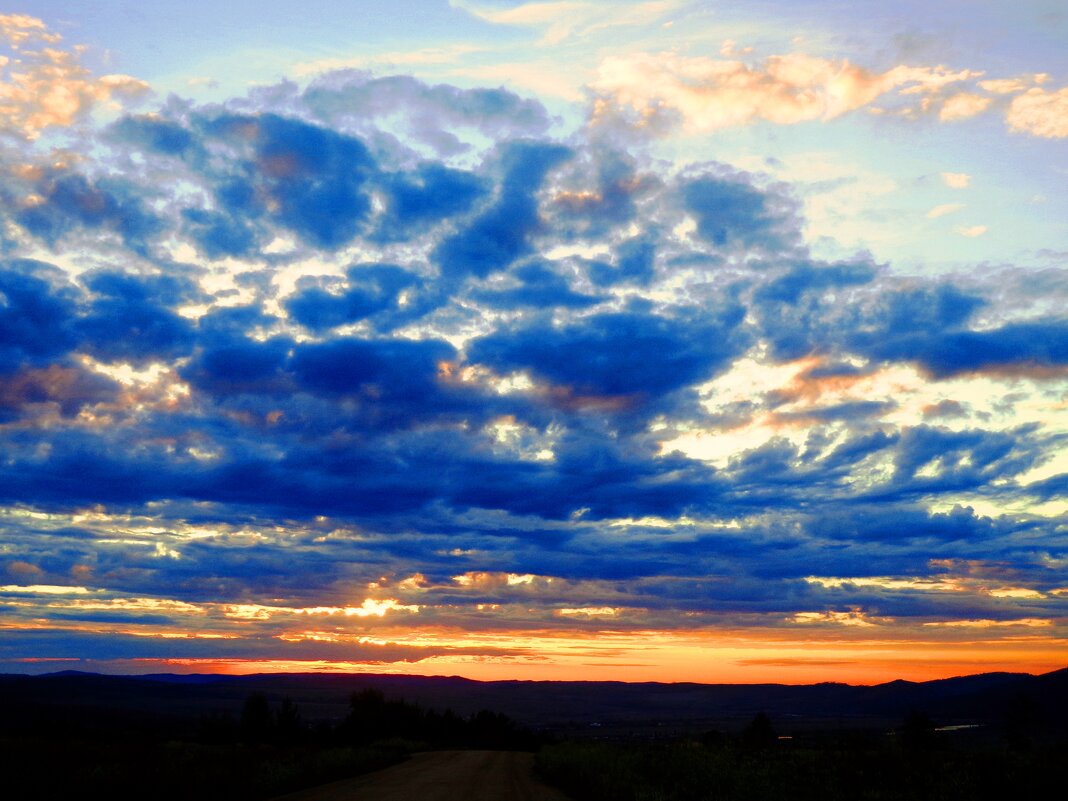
x: 443, y: 776
x: 84, y: 736
x: 829, y: 771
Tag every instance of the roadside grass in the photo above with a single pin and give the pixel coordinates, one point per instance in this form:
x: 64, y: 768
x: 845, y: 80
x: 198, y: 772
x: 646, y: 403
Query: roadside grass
x: 60, y: 768
x: 689, y: 771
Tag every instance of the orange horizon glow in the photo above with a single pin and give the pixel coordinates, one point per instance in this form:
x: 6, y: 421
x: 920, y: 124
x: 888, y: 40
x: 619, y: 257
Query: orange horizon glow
x: 636, y: 658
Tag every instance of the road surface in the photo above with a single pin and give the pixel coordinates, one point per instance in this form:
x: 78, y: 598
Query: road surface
x: 442, y: 776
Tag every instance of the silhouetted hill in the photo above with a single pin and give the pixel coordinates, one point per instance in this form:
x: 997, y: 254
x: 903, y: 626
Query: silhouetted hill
x: 985, y: 698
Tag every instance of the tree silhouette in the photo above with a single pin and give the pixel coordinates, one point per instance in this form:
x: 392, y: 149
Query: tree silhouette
x: 288, y: 721
x: 759, y: 733
x: 257, y: 722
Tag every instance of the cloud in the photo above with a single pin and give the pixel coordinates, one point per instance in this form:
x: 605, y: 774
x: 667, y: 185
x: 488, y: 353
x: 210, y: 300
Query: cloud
x: 962, y: 106
x: 622, y: 355
x: 730, y: 211
x: 383, y: 292
x: 711, y: 94
x: 434, y: 115
x: 944, y: 209
x: 565, y: 19
x: 47, y: 86
x: 1040, y: 112
x: 501, y: 234
x: 1028, y: 347
x: 956, y: 180
x: 65, y: 202
x: 35, y: 316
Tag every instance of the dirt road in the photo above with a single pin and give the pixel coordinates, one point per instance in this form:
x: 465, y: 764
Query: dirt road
x: 442, y: 776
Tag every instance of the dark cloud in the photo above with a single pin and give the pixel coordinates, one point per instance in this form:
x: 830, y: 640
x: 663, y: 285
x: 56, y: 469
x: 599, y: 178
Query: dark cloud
x: 34, y: 316
x: 501, y: 234
x: 155, y: 134
x: 69, y: 202
x: 71, y: 388
x: 130, y: 318
x: 619, y: 354
x: 308, y: 179
x: 635, y: 263
x: 1026, y: 348
x: 539, y: 288
x: 732, y: 212
x: 429, y: 194
x: 806, y: 277
x: 386, y: 292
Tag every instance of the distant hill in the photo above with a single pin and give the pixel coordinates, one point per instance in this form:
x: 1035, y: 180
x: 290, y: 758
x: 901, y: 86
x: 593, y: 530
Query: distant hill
x: 983, y: 699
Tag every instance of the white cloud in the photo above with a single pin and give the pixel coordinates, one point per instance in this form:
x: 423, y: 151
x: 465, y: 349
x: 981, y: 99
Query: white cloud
x: 972, y: 231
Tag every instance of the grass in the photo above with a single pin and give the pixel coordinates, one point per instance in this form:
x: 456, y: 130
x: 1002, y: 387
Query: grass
x: 688, y: 771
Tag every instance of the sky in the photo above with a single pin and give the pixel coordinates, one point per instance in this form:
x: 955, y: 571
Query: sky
x: 643, y: 341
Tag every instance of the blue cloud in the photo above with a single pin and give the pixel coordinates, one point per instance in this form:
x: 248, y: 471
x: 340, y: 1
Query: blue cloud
x: 1025, y: 347
x: 34, y: 317
x: 129, y: 318
x: 156, y: 134
x: 501, y: 234
x: 618, y: 353
x: 635, y: 263
x: 813, y: 277
x: 731, y: 212
x: 417, y: 200
x: 70, y: 201
x: 309, y: 179
x: 373, y: 290
x: 540, y: 288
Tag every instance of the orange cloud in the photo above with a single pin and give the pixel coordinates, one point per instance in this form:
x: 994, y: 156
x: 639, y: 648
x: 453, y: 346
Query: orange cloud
x: 711, y: 94
x: 49, y: 87
x: 963, y: 106
x: 1040, y: 113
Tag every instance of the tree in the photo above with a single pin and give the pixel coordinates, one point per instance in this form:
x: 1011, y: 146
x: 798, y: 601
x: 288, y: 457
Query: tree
x: 759, y: 733
x: 257, y: 722
x: 289, y: 721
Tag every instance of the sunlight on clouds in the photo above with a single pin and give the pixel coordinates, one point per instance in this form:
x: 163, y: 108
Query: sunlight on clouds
x: 520, y: 440
x: 710, y: 94
x: 44, y: 589
x: 1015, y: 592
x: 1040, y: 112
x: 369, y: 608
x: 1026, y: 622
x: 889, y: 583
x: 589, y: 611
x: 963, y: 106
x: 854, y: 617
x: 48, y: 87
